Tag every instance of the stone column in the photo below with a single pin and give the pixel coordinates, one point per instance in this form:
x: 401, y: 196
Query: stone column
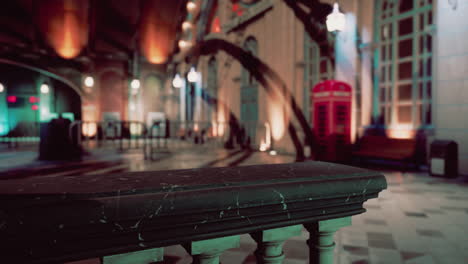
x: 270, y: 243
x: 208, y: 251
x: 321, y: 242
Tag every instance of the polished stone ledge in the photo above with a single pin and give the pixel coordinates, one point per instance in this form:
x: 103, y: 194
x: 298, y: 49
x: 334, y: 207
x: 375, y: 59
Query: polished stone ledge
x: 53, y: 220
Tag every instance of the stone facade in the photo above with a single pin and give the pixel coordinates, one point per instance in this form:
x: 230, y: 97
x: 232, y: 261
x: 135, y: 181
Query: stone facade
x: 281, y: 45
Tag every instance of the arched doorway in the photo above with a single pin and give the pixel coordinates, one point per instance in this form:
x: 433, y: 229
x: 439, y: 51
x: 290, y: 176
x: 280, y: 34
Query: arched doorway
x: 153, y: 99
x: 112, y: 93
x: 249, y: 94
x: 24, y: 102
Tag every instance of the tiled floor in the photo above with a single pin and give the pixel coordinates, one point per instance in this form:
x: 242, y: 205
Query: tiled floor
x: 418, y: 219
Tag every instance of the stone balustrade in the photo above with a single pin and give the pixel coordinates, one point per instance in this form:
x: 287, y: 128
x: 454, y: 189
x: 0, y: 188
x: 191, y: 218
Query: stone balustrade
x: 131, y: 217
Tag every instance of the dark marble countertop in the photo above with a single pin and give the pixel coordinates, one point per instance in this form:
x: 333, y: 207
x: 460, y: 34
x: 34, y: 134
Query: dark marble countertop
x: 47, y: 219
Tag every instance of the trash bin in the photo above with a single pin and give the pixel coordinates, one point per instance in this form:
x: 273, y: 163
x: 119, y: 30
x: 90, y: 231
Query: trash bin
x: 55, y: 143
x: 444, y: 158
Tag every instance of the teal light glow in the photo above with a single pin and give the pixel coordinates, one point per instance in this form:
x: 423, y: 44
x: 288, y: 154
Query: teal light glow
x: 69, y: 116
x: 45, y: 102
x: 4, y: 128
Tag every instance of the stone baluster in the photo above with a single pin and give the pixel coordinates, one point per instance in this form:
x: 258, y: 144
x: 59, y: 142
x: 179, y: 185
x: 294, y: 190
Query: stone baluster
x: 270, y: 243
x: 138, y: 257
x: 321, y: 242
x: 208, y: 251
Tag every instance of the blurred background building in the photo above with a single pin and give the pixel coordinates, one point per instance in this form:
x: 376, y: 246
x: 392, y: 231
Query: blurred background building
x: 252, y: 63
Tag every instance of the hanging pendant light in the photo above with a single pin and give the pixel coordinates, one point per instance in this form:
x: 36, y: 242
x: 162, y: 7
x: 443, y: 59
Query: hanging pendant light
x: 336, y: 21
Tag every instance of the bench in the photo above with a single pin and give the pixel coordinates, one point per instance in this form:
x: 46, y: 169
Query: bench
x: 381, y: 147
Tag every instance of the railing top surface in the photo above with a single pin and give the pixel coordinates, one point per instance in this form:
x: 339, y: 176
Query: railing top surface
x: 48, y: 220
x: 186, y: 179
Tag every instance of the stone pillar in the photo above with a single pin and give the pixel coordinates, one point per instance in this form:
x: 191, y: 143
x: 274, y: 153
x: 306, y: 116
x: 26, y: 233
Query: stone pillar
x: 321, y: 242
x: 138, y: 257
x: 208, y: 251
x: 270, y: 243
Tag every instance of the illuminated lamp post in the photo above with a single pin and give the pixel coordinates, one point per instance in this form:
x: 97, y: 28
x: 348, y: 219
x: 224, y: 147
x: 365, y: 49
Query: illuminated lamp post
x: 191, y: 6
x: 89, y: 81
x: 193, y: 75
x: 135, y: 84
x: 177, y: 81
x: 336, y: 20
x: 183, y: 44
x: 45, y: 88
x: 186, y: 25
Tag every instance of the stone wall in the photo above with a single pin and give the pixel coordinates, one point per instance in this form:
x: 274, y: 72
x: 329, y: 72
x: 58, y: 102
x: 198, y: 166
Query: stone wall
x: 450, y: 108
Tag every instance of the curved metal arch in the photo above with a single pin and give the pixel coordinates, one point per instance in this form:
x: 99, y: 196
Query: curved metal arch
x: 45, y: 72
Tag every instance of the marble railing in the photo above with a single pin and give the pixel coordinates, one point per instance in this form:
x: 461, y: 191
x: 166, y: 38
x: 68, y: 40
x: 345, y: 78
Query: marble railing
x: 131, y: 217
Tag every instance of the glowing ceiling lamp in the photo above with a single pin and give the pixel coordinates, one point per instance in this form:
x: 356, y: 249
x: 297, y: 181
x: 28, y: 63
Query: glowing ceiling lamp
x: 2, y: 88
x: 135, y: 84
x: 336, y: 21
x: 156, y: 36
x: 177, y: 81
x: 64, y: 25
x: 89, y: 81
x: 45, y: 88
x: 193, y: 75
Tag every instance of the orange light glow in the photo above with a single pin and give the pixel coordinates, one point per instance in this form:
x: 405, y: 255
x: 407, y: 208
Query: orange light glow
x: 277, y: 120
x: 216, y: 25
x: 214, y: 129
x: 221, y: 122
x: 156, y: 36
x: 401, y: 131
x: 64, y: 25
x: 89, y: 129
x: 265, y: 144
x: 401, y: 134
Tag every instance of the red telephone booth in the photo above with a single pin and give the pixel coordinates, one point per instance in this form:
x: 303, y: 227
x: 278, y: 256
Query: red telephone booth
x: 331, y: 101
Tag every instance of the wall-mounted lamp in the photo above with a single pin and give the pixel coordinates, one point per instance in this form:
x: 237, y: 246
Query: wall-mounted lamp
x: 132, y: 107
x: 2, y: 88
x: 183, y: 44
x: 193, y: 75
x: 336, y: 21
x: 177, y: 81
x: 186, y: 26
x: 44, y: 88
x: 89, y: 81
x: 135, y: 84
x: 191, y: 6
